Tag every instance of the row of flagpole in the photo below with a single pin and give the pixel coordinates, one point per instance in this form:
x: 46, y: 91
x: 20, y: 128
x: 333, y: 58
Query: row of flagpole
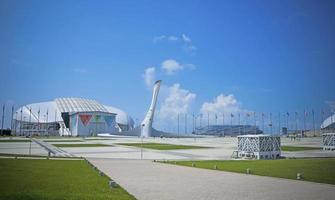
x: 290, y: 122
x: 14, y: 115
x: 199, y: 118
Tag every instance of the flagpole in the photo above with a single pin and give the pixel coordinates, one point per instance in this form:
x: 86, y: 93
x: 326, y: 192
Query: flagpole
x: 193, y: 127
x: 279, y: 124
x: 185, y: 123
x: 30, y: 119
x: 222, y: 119
x: 321, y: 131
x: 15, y: 122
x: 3, y: 117
x: 287, y: 116
x: 21, y: 123
x: 11, y: 121
x: 313, y: 122
x: 255, y: 122
x: 207, y: 119
x: 263, y: 122
x: 47, y: 130
x: 178, y: 124
x: 303, y: 132
x: 38, y: 121
x: 296, y: 121
x: 239, y: 123
x: 231, y: 123
x: 271, y: 123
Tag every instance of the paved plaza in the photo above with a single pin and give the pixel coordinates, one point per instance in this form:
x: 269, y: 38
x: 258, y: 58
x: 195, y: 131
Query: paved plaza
x: 219, y: 148
x: 148, y: 180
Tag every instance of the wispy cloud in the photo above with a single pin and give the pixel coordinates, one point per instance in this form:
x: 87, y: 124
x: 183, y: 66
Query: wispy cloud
x: 171, y: 66
x: 160, y: 38
x: 149, y: 76
x: 184, y: 40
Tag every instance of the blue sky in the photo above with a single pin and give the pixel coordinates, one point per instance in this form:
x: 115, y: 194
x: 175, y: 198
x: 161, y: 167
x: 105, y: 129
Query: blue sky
x: 272, y: 56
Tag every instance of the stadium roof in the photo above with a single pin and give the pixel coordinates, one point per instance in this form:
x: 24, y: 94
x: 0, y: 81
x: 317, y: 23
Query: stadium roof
x: 79, y: 105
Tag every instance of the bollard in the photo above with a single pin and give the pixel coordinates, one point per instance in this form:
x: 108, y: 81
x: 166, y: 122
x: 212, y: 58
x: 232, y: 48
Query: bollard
x: 248, y: 171
x: 112, y: 184
x: 215, y: 167
x: 299, y: 176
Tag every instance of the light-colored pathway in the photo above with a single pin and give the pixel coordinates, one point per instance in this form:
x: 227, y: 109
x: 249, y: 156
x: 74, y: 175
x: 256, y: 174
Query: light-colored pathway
x: 147, y: 180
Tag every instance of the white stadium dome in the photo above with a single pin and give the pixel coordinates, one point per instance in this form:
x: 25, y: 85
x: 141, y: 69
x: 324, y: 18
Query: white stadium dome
x: 51, y: 112
x: 329, y: 122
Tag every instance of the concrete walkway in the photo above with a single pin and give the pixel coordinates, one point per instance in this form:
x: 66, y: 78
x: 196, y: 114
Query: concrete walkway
x: 147, y: 180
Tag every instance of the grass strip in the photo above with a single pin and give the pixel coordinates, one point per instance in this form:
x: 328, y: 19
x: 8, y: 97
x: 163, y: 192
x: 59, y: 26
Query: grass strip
x: 319, y: 170
x: 162, y: 146
x: 15, y: 140
x: 81, y: 145
x: 299, y: 148
x: 54, y: 179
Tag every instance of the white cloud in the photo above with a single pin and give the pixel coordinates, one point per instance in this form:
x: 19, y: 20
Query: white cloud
x: 186, y: 38
x: 159, y: 38
x: 188, y: 46
x: 171, y: 66
x: 178, y: 101
x: 222, y: 104
x: 190, y: 49
x: 149, y: 76
x: 173, y: 38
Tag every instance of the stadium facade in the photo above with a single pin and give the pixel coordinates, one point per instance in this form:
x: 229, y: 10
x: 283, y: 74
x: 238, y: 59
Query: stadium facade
x: 227, y: 130
x: 328, y: 125
x: 70, y: 117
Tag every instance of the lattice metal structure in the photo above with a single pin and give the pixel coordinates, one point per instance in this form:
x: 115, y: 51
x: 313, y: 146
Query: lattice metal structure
x: 328, y: 141
x: 79, y: 105
x: 259, y: 146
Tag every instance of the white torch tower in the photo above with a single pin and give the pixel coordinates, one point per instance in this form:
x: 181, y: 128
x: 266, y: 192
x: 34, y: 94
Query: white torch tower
x: 146, y: 125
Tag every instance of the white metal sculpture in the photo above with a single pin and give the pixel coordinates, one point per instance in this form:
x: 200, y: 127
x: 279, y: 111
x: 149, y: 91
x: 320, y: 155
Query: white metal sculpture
x: 328, y: 141
x: 146, y: 125
x: 259, y: 146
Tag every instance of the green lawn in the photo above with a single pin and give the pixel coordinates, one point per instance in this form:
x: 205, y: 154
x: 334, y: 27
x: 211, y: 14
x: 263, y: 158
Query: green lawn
x: 33, y: 155
x: 62, y: 140
x: 82, y: 145
x: 297, y: 148
x: 54, y: 179
x: 160, y: 146
x: 15, y: 140
x: 316, y: 170
x: 98, y: 139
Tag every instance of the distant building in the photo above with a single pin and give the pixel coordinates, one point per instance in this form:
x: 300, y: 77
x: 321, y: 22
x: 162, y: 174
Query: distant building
x: 70, y: 117
x: 228, y: 130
